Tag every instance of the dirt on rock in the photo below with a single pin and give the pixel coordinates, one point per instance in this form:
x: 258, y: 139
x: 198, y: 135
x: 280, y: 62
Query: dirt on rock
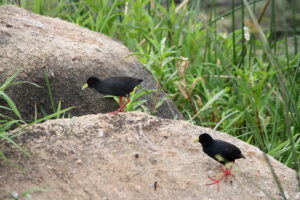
x: 132, y: 156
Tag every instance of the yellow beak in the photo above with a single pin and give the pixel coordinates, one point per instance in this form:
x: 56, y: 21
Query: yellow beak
x: 196, y: 140
x: 84, y: 86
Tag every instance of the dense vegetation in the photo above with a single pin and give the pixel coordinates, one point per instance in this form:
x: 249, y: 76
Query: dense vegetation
x: 243, y: 81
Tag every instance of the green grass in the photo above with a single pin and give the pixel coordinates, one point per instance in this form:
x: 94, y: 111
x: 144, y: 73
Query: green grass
x: 7, y: 123
x: 249, y: 89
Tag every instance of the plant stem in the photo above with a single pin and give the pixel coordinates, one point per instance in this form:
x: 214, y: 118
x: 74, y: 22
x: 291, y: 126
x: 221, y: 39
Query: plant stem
x: 158, y: 88
x: 259, y: 127
x: 294, y: 26
x: 233, y: 33
x: 263, y: 10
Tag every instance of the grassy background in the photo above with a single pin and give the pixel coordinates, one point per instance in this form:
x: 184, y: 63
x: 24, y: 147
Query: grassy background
x: 216, y: 77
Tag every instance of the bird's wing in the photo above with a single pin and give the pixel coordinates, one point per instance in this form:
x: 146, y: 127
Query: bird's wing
x: 228, y: 152
x: 122, y: 83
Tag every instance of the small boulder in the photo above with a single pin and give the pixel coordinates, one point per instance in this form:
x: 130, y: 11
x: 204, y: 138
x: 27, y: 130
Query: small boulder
x: 69, y: 54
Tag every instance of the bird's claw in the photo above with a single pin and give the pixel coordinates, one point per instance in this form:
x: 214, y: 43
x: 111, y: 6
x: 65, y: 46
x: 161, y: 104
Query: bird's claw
x: 226, y: 174
x: 216, y: 181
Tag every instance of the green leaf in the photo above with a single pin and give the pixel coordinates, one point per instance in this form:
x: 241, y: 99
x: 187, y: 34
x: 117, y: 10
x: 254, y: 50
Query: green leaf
x: 11, y: 104
x: 210, y: 101
x: 9, y: 80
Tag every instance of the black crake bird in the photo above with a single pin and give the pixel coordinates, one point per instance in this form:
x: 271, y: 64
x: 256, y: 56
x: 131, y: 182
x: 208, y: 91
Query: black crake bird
x: 221, y: 151
x: 118, y: 86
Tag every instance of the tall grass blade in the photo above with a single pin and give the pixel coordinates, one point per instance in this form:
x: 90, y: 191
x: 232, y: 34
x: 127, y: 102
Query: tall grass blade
x: 227, y: 116
x: 210, y: 101
x: 8, y: 139
x: 275, y: 177
x: 49, y: 92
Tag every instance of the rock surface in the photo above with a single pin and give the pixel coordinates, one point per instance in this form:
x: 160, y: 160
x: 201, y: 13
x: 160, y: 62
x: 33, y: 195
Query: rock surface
x: 69, y: 54
x: 122, y: 156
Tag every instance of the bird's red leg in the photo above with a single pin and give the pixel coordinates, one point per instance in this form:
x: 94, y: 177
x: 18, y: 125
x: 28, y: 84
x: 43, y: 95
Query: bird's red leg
x: 122, y: 107
x: 119, y: 110
x: 128, y: 100
x: 226, y: 173
x: 120, y: 101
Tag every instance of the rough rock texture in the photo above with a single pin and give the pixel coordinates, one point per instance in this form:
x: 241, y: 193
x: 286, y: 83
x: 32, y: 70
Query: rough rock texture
x: 69, y: 54
x: 122, y: 156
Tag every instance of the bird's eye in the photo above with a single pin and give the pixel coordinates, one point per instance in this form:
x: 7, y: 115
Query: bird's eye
x: 201, y: 137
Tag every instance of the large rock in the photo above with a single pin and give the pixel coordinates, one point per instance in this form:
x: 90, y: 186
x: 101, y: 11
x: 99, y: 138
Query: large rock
x: 122, y: 156
x: 69, y: 54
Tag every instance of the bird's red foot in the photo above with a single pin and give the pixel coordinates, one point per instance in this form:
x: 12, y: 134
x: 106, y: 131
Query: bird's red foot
x: 114, y: 112
x: 216, y: 181
x: 226, y: 174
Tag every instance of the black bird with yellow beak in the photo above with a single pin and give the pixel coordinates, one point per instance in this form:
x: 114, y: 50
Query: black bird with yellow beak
x: 118, y: 86
x: 221, y: 151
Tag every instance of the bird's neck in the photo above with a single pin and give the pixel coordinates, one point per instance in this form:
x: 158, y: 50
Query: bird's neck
x: 99, y: 81
x: 208, y: 144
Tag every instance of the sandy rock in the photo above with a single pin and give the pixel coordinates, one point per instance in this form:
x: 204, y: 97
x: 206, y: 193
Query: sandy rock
x: 69, y: 54
x: 132, y: 156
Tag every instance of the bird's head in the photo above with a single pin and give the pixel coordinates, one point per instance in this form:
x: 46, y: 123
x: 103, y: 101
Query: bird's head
x: 91, y: 83
x: 204, y: 139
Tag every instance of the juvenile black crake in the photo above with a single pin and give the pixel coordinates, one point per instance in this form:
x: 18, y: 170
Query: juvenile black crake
x: 118, y: 86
